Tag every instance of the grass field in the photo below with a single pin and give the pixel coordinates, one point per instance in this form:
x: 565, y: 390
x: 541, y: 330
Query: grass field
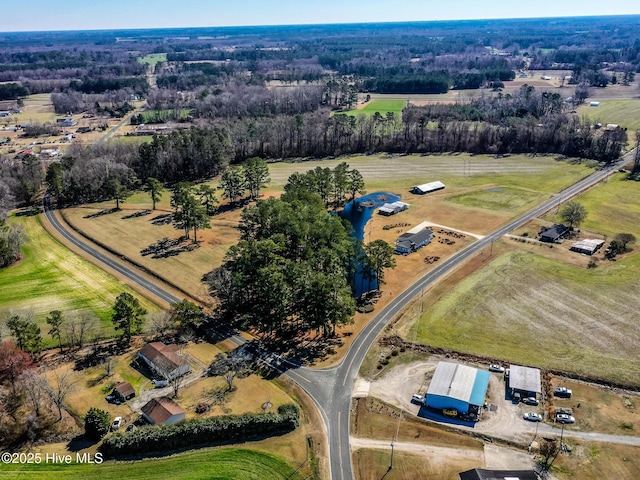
x: 382, y: 171
x: 226, y: 463
x: 596, y: 461
x: 529, y: 309
x: 156, y: 116
x: 381, y: 106
x: 50, y: 277
x: 152, y: 59
x: 496, y: 198
x: 613, y: 207
x: 623, y: 112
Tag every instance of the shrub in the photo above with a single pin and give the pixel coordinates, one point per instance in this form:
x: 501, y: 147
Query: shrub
x: 96, y: 423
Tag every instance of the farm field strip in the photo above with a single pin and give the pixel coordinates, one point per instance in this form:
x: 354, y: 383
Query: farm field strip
x: 583, y: 320
x: 200, y: 464
x: 51, y: 277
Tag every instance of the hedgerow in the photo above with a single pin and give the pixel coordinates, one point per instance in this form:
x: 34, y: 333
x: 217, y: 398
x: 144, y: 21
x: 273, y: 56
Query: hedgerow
x: 209, y: 431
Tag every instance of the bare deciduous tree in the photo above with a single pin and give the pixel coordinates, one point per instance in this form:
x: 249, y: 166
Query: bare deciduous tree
x: 59, y: 388
x: 34, y: 388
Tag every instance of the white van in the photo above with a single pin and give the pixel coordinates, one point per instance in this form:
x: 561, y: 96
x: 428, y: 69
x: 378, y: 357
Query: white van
x: 160, y: 383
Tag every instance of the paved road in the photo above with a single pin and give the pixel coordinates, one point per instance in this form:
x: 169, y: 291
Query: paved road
x: 331, y: 388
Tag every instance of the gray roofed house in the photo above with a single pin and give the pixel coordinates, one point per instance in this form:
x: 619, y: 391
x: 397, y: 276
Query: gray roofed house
x: 483, y: 474
x: 410, y: 242
x: 524, y: 379
x: 553, y: 233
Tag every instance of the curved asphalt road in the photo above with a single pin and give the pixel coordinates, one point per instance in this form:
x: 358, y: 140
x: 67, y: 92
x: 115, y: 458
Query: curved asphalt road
x: 331, y: 388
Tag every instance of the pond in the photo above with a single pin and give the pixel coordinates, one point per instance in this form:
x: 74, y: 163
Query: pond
x: 358, y: 212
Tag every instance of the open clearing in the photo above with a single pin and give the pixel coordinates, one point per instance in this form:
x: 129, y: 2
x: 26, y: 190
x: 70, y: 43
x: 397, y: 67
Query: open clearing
x: 613, y: 207
x: 129, y: 236
x: 50, y: 277
x: 378, y: 106
x: 583, y: 320
x: 152, y: 59
x: 199, y: 464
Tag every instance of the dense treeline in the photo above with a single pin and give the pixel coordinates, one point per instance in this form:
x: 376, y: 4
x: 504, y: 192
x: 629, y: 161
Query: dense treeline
x: 290, y: 271
x: 101, y: 85
x: 197, y: 432
x: 12, y: 91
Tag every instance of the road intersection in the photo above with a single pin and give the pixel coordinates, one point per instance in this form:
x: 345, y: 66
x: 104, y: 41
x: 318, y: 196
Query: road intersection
x: 331, y: 388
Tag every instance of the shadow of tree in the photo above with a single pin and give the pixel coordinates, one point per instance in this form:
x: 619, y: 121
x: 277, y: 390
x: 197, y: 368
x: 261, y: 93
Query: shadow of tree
x: 107, y: 211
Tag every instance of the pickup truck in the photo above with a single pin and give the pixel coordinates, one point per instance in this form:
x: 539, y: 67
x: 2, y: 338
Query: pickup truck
x: 562, y: 392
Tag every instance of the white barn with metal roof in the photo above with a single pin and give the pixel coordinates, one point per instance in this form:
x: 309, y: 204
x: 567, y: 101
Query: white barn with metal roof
x: 427, y: 188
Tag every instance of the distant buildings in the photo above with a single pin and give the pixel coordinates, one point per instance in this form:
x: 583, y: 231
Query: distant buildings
x: 65, y: 122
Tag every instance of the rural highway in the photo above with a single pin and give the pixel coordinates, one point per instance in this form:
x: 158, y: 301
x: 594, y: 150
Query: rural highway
x: 331, y: 388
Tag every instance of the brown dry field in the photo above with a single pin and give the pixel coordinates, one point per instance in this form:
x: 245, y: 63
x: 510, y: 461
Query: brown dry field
x: 369, y: 464
x: 597, y: 461
x: 129, y: 236
x: 601, y: 409
x: 372, y: 418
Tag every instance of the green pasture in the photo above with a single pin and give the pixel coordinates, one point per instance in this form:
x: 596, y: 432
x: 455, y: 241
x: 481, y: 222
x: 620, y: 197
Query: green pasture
x: 381, y: 106
x: 135, y: 139
x: 528, y: 309
x: 613, y: 207
x: 625, y: 113
x: 542, y: 174
x: 496, y: 198
x: 51, y: 277
x: 152, y: 59
x: 163, y: 115
x: 228, y: 463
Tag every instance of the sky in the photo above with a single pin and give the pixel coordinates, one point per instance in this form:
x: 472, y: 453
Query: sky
x: 33, y: 15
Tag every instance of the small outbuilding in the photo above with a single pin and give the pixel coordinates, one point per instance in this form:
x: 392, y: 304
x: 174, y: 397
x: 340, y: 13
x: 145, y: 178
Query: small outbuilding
x: 524, y: 381
x: 554, y: 233
x: 459, y: 387
x: 587, y: 247
x: 123, y: 391
x: 594, y: 104
x: 427, y: 188
x: 483, y: 474
x: 410, y: 242
x: 163, y: 411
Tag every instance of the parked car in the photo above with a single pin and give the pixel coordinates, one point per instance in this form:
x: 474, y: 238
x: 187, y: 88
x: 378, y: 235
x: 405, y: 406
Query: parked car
x: 450, y: 412
x: 564, y: 418
x: 417, y: 399
x: 562, y: 392
x: 130, y: 427
x: 496, y: 368
x: 160, y: 383
x: 530, y: 401
x: 117, y: 423
x: 532, y: 417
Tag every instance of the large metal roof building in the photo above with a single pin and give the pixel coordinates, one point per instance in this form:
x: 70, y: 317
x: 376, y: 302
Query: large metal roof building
x: 457, y: 386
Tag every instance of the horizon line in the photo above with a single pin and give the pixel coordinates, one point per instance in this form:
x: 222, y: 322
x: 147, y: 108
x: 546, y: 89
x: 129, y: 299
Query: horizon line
x: 396, y: 22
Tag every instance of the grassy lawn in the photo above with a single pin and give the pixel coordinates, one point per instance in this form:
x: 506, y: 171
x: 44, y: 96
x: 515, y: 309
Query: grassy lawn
x: 529, y: 309
x: 613, y: 207
x: 132, y: 139
x: 225, y: 463
x: 382, y: 171
x: 496, y: 198
x: 152, y: 59
x: 381, y: 106
x: 51, y: 277
x: 155, y: 116
x: 622, y: 112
